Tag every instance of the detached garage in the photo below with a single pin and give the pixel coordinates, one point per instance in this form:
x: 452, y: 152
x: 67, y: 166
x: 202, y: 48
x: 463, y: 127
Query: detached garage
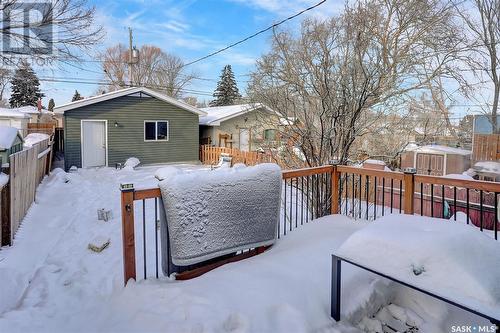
x: 139, y: 122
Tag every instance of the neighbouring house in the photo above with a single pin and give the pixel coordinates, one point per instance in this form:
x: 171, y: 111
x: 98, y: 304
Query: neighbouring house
x: 485, y: 144
x: 11, y: 142
x: 247, y: 127
x: 436, y: 160
x: 37, y: 115
x: 109, y: 128
x: 26, y: 117
x: 15, y: 118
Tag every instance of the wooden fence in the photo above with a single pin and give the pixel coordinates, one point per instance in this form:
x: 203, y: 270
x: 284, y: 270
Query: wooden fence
x: 210, y: 155
x: 46, y: 128
x: 26, y: 170
x: 486, y: 147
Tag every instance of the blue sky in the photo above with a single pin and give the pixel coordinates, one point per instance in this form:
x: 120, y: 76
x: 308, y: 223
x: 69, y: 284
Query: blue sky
x: 189, y: 29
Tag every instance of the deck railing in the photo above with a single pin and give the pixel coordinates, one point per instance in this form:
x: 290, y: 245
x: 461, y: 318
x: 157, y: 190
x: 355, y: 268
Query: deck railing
x: 310, y: 193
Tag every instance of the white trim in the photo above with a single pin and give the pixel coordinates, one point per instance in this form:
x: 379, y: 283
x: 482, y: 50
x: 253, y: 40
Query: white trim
x: 81, y: 137
x: 156, y: 130
x: 125, y: 92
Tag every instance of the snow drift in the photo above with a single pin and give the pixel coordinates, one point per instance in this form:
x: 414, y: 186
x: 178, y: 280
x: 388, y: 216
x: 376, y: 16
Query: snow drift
x: 210, y: 214
x: 33, y: 138
x: 450, y: 259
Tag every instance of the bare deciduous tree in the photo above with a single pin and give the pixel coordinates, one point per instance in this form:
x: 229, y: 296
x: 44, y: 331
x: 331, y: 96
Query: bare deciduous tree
x: 64, y: 27
x: 339, y: 77
x: 482, y: 18
x: 155, y: 69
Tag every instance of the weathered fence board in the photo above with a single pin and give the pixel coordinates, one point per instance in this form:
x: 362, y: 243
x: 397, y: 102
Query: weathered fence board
x: 27, y: 169
x: 46, y: 128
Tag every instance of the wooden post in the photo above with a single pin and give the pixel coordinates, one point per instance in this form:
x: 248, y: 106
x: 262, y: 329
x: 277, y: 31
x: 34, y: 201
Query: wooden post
x: 335, y: 188
x: 128, y: 238
x: 409, y: 190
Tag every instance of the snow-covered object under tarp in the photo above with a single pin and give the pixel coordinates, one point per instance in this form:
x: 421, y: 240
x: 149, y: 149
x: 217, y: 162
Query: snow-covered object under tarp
x: 210, y: 214
x: 131, y: 163
x: 451, y: 260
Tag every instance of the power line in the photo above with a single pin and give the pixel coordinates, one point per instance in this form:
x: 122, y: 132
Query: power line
x: 254, y: 35
x: 159, y: 87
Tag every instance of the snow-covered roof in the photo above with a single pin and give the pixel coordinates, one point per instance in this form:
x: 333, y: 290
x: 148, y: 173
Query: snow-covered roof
x: 125, y: 92
x: 22, y: 112
x: 217, y: 114
x: 437, y: 149
x: 373, y: 161
x: 7, y: 136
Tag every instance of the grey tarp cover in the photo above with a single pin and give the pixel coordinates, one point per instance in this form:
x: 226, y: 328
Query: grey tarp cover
x: 213, y: 213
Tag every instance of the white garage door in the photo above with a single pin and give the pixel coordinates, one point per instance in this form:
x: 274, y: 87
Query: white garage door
x: 93, y: 143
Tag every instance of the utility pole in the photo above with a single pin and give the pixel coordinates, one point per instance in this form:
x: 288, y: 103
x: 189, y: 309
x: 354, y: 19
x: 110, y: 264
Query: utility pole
x: 133, y: 57
x: 130, y: 59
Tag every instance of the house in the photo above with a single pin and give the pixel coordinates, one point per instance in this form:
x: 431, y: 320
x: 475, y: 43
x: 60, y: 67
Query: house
x: 107, y: 129
x: 36, y: 115
x: 436, y: 160
x: 15, y: 118
x: 11, y: 142
x: 246, y: 126
x: 485, y: 144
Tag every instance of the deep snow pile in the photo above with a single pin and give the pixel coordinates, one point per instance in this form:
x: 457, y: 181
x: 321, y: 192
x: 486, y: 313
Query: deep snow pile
x: 68, y: 288
x: 449, y: 259
x: 34, y: 138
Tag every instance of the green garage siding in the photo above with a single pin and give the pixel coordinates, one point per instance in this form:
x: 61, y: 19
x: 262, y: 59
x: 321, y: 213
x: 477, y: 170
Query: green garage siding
x: 127, y: 139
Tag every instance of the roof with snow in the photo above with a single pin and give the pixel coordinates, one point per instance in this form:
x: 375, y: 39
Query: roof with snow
x: 7, y: 136
x: 217, y: 114
x: 437, y: 149
x: 126, y: 92
x: 22, y: 112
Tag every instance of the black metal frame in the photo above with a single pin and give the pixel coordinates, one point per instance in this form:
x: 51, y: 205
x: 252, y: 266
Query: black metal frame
x: 336, y: 291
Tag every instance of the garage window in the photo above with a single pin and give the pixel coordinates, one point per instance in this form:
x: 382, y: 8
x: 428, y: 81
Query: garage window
x: 155, y: 130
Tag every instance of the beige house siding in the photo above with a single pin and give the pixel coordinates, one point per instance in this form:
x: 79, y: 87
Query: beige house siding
x: 255, y: 121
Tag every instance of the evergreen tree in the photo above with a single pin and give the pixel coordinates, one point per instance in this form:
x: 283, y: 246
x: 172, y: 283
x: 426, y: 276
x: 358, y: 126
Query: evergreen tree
x: 25, y: 87
x: 76, y: 96
x: 227, y: 90
x: 52, y: 104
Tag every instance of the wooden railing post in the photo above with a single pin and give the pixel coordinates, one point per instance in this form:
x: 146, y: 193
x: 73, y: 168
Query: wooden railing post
x: 128, y: 237
x: 409, y: 190
x: 334, y: 207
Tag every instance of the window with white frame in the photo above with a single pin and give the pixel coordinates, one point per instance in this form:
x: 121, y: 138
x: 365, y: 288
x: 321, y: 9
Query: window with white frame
x: 155, y: 130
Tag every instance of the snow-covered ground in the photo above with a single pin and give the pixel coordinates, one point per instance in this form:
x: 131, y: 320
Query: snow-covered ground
x: 62, y: 286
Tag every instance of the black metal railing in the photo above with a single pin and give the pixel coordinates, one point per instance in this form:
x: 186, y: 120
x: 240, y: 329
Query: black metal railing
x: 308, y: 194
